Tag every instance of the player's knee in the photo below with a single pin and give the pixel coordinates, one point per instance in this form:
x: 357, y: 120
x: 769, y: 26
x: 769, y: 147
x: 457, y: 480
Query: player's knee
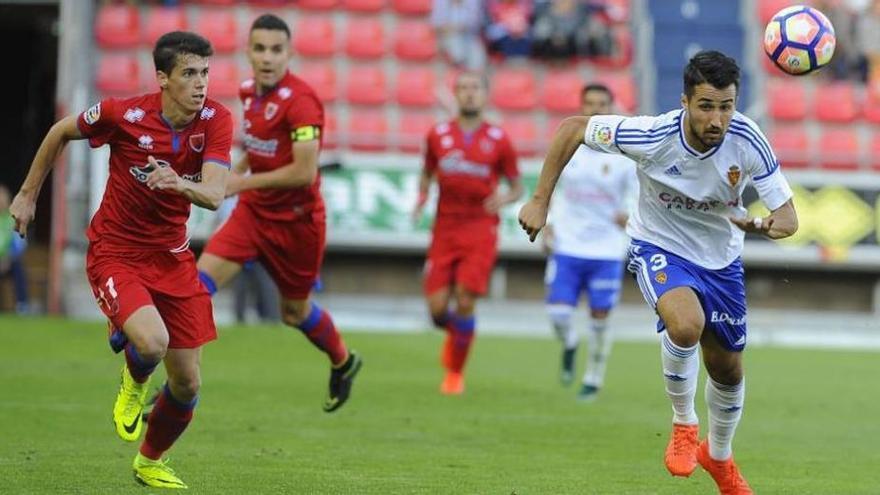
x: 152, y: 348
x: 295, y: 314
x: 723, y: 370
x: 684, y: 329
x: 185, y: 388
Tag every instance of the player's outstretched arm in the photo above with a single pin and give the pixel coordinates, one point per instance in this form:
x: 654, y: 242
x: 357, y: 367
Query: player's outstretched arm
x: 566, y: 140
x: 25, y: 202
x: 781, y: 223
x: 302, y: 172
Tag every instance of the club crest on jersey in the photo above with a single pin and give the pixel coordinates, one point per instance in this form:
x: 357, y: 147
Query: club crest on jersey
x: 133, y: 115
x: 197, y: 142
x: 145, y: 142
x: 284, y: 93
x: 602, y: 135
x: 93, y: 114
x: 733, y: 175
x: 660, y: 277
x: 271, y: 110
x: 207, y: 113
x: 247, y: 103
x: 140, y: 173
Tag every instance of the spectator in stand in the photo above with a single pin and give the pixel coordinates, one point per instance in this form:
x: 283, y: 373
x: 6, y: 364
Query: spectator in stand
x: 458, y: 24
x: 508, y: 29
x: 557, y: 31
x: 11, y: 250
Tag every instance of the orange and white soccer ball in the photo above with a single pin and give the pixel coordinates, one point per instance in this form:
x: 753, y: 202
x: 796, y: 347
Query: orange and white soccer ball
x: 799, y: 40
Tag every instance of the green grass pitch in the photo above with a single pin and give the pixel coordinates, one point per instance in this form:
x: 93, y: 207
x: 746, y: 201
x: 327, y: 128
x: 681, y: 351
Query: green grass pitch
x: 810, y: 426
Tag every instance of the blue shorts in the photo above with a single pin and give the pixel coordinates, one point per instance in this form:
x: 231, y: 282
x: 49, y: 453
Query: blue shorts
x: 722, y: 293
x: 567, y: 276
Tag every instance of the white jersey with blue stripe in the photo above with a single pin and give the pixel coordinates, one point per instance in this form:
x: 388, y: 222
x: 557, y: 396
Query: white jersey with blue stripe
x: 593, y: 189
x: 686, y: 197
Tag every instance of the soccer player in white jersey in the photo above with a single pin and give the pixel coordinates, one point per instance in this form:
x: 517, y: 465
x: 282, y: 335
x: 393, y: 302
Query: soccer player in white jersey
x: 586, y: 243
x: 688, y: 230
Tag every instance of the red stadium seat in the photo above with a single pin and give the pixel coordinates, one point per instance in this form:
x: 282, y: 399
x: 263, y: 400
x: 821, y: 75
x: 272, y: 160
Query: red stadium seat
x: 623, y: 50
x: 224, y: 80
x: 224, y: 3
x: 415, y: 87
x: 412, y: 7
x: 314, y: 36
x: 330, y: 132
x: 523, y: 133
x: 322, y: 78
x: 117, y: 26
x: 365, y: 38
x: 415, y: 40
x: 161, y: 20
x: 221, y: 29
x: 364, y: 5
x: 366, y: 85
x: 786, y: 99
x: 623, y: 88
x: 316, y: 4
x: 514, y: 89
x: 562, y: 91
x: 839, y: 149
x: 367, y: 130
x: 413, y: 130
x: 768, y: 8
x: 792, y: 146
x: 118, y: 75
x: 835, y: 102
x: 872, y: 109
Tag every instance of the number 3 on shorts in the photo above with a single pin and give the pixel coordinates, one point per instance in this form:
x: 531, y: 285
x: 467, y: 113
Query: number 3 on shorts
x: 658, y: 262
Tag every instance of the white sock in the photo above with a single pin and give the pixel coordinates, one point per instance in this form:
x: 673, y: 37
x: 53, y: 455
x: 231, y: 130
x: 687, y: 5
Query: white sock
x: 560, y: 316
x: 681, y: 366
x: 725, y: 409
x: 599, y: 341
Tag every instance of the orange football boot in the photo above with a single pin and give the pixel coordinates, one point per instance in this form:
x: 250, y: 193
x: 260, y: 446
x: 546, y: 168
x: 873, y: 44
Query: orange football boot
x: 681, y: 452
x: 453, y: 383
x: 725, y: 473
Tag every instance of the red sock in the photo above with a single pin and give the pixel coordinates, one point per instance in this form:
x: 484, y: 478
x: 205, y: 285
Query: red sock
x: 321, y: 331
x: 168, y: 419
x: 459, y: 338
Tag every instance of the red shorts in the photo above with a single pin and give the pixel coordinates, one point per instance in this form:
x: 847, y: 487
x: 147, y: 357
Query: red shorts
x: 291, y: 251
x: 462, y: 254
x: 124, y: 281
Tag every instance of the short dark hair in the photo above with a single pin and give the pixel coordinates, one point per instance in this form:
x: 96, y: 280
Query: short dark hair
x: 175, y: 43
x: 713, y: 67
x: 481, y: 76
x: 271, y: 22
x: 597, y: 87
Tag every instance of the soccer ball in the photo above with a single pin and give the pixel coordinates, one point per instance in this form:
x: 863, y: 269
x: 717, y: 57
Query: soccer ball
x: 799, y: 40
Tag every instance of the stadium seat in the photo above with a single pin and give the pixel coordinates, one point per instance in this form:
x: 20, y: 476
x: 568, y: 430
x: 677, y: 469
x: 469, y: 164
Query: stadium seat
x: 365, y: 38
x: 623, y: 52
x: 791, y: 145
x: 514, y: 89
x: 322, y: 78
x: 624, y: 89
x: 367, y: 130
x: 366, y: 85
x: 414, y: 40
x: 786, y: 99
x: 412, y: 7
x: 413, y: 130
x: 316, y: 4
x: 314, y: 36
x: 117, y: 75
x: 835, y: 102
x: 330, y: 132
x: 364, y: 5
x: 117, y: 26
x: 221, y: 29
x: 872, y: 109
x: 415, y: 87
x: 839, y: 149
x: 224, y: 80
x: 161, y: 20
x: 767, y: 8
x: 523, y: 133
x: 224, y: 3
x: 562, y: 91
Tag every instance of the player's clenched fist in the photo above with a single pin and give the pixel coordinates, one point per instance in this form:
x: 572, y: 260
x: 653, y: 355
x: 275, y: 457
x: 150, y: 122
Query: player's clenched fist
x: 533, y: 217
x: 22, y: 210
x: 163, y: 178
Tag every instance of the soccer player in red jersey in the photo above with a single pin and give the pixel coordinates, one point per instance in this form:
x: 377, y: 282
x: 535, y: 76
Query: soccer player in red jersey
x: 168, y: 150
x: 280, y: 218
x: 467, y: 156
